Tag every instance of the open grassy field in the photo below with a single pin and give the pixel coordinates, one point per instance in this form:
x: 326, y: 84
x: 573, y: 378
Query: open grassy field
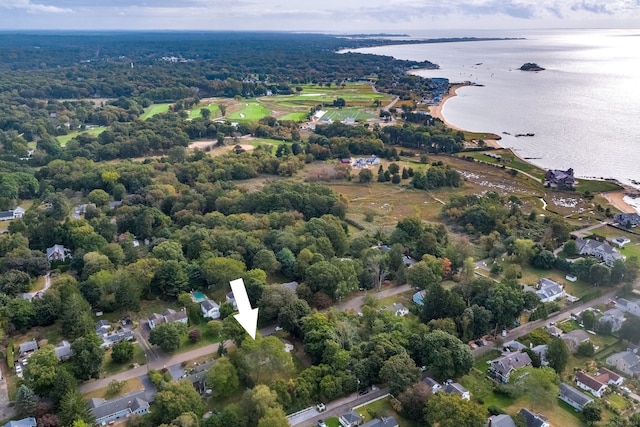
x: 196, y: 113
x: 296, y: 117
x: 133, y: 384
x: 353, y: 93
x: 154, y: 109
x: 249, y: 109
x: 514, y: 161
x: 109, y: 367
x: 338, y: 115
x: 63, y: 139
x: 596, y: 186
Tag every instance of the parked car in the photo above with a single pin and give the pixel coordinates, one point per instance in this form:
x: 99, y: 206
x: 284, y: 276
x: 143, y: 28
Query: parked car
x: 279, y: 328
x: 321, y: 423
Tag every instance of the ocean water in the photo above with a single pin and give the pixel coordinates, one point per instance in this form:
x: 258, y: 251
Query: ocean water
x: 584, y: 109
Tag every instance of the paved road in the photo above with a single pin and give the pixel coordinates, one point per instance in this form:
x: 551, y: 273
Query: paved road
x: 355, y: 303
x: 336, y: 408
x: 530, y: 326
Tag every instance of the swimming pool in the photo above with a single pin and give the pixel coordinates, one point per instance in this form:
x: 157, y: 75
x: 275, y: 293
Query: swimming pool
x: 198, y: 296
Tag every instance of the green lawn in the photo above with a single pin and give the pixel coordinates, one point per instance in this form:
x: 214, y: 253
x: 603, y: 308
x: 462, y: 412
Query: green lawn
x: 154, y: 109
x: 596, y: 186
x: 338, y: 115
x: 514, y: 162
x: 109, y: 367
x: 195, y: 111
x: 250, y: 110
x: 630, y: 249
x: 296, y: 117
x: 64, y: 139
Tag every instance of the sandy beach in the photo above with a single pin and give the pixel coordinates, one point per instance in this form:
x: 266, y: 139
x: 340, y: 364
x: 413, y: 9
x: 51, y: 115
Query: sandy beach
x: 616, y: 199
x: 436, y: 111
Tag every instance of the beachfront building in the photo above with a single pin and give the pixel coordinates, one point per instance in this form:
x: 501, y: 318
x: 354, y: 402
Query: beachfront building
x: 627, y: 219
x: 557, y: 178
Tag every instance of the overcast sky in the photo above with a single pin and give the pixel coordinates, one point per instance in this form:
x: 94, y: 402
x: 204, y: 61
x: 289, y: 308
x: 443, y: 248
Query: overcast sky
x: 342, y: 16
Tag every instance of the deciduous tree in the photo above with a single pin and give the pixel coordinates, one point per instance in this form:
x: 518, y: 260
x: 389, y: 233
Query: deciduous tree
x: 450, y: 410
x: 399, y: 371
x: 222, y: 378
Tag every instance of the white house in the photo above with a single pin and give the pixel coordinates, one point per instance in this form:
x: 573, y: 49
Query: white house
x: 106, y: 411
x: 590, y: 384
x: 573, y: 397
x: 607, y: 376
x: 210, y: 309
x: 350, y: 419
x: 548, y: 290
x: 168, y: 316
x: 455, y: 388
x: 432, y: 384
x: 58, y: 253
x: 13, y: 214
x: 398, y: 309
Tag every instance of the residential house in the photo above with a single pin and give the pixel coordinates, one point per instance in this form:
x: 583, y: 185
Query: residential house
x: 574, y: 338
x: 28, y: 347
x: 25, y: 422
x: 102, y: 327
x: 626, y: 362
x: 291, y: 285
x: 114, y: 337
x: 607, y: 376
x: 502, y: 420
x: 533, y: 420
x: 514, y: 346
x: 63, y: 351
x: 398, y: 309
x: 603, y: 251
x: 590, y: 384
x: 210, y: 309
x: 455, y: 388
x: 573, y: 397
x: 105, y: 411
x: 12, y: 214
x: 557, y: 178
x: 554, y: 331
x: 58, y: 253
x: 350, y: 419
x: 231, y: 300
x: 541, y: 351
x: 627, y: 219
x: 197, y: 375
x: 365, y: 162
x: 631, y: 307
x: 432, y: 384
x: 614, y: 317
x: 500, y: 369
x: 82, y: 209
x: 381, y: 422
x: 116, y: 204
x: 548, y: 290
x: 408, y: 261
x: 168, y: 316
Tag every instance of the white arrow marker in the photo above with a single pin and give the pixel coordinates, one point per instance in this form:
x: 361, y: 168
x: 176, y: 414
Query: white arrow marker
x: 248, y: 317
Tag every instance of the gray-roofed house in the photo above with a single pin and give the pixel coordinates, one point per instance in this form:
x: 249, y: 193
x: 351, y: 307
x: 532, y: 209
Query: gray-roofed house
x: 105, y: 411
x: 25, y: 422
x: 398, y: 309
x: 626, y: 362
x: 350, y: 419
x: 557, y: 178
x: 58, y: 253
x: 574, y: 338
x: 501, y: 420
x: 382, y: 422
x: 168, y: 316
x: 500, y: 369
x: 614, y: 317
x: 573, y: 397
x: 111, y: 338
x: 514, y: 346
x: 603, y: 251
x: 198, y: 375
x: 627, y: 219
x: 63, y: 351
x: 590, y: 384
x: 533, y: 420
x: 455, y: 388
x: 434, y: 385
x: 541, y: 351
x: 13, y: 214
x: 28, y: 347
x: 290, y: 285
x: 210, y: 309
x: 548, y: 290
x: 628, y: 306
x: 554, y: 331
x: 116, y: 204
x: 231, y: 300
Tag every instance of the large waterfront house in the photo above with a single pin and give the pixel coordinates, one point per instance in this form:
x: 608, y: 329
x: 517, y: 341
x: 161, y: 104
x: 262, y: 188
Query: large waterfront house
x: 106, y: 411
x: 603, y: 251
x: 557, y: 178
x: 577, y: 399
x: 500, y: 369
x: 548, y: 290
x: 627, y: 219
x: 168, y: 316
x: 12, y: 214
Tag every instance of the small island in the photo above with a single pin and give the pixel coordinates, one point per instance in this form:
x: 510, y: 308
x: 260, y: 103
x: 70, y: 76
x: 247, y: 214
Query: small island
x: 531, y: 66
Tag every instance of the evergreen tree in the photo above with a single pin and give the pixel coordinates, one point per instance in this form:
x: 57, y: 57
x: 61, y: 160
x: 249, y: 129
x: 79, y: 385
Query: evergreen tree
x: 73, y: 407
x: 26, y: 401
